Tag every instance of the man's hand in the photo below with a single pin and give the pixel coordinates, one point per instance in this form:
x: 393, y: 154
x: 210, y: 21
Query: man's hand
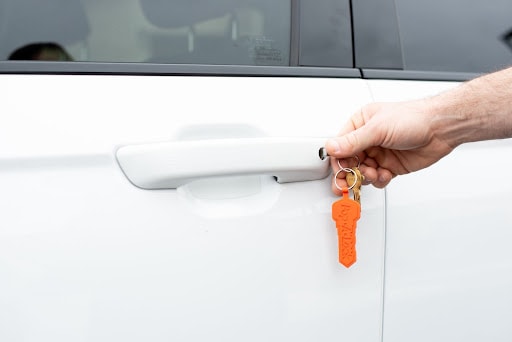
x: 389, y: 139
x: 393, y: 139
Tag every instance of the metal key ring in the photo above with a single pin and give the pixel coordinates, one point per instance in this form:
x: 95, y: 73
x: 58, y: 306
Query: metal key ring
x: 355, y: 157
x: 345, y: 170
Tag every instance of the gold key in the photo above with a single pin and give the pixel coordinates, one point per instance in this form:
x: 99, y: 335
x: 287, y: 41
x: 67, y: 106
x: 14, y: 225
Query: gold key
x: 355, y: 180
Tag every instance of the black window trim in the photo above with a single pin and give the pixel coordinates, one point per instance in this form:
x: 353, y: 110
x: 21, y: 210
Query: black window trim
x: 147, y: 69
x: 295, y: 33
x: 393, y: 74
x: 94, y: 68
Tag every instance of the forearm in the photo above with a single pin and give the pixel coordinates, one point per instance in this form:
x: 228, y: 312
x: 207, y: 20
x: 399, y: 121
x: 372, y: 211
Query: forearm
x: 480, y: 109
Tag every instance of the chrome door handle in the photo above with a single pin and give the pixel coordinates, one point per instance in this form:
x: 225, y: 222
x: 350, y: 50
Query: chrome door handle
x: 168, y: 165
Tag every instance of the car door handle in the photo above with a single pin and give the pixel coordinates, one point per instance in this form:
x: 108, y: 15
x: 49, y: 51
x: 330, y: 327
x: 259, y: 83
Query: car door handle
x: 168, y: 165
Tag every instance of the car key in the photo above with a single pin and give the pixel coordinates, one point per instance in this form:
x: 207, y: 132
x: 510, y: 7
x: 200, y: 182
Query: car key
x: 356, y: 179
x: 346, y: 212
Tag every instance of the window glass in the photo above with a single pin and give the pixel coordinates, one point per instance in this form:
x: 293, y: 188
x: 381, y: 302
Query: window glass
x: 165, y: 31
x: 325, y: 33
x: 455, y: 35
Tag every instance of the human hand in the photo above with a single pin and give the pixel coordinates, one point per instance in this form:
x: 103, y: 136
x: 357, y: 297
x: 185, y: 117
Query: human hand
x: 389, y: 139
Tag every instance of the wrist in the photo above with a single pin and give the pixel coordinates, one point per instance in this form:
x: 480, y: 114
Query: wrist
x: 452, y: 120
x: 480, y: 109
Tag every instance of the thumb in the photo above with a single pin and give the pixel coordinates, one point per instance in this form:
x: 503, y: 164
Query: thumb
x: 351, y: 143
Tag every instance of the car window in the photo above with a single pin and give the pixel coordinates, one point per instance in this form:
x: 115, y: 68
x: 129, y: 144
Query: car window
x: 326, y: 33
x: 455, y: 35
x: 241, y: 32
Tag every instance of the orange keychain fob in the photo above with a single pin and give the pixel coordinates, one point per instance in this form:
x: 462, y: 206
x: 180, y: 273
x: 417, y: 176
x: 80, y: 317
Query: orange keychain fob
x: 346, y: 212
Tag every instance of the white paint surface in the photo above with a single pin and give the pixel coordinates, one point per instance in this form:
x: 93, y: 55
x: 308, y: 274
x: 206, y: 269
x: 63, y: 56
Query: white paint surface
x: 87, y: 256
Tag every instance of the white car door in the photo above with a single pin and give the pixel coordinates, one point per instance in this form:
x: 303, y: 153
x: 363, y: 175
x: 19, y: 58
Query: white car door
x: 448, y: 256
x: 85, y: 255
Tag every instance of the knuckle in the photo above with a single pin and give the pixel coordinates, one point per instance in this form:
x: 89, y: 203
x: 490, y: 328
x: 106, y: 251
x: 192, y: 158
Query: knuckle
x: 351, y: 141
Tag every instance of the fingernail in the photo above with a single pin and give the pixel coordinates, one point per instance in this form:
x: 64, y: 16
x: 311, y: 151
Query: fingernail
x: 333, y: 145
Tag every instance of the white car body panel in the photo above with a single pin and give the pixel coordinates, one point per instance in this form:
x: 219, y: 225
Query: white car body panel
x: 87, y: 256
x: 448, y: 255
